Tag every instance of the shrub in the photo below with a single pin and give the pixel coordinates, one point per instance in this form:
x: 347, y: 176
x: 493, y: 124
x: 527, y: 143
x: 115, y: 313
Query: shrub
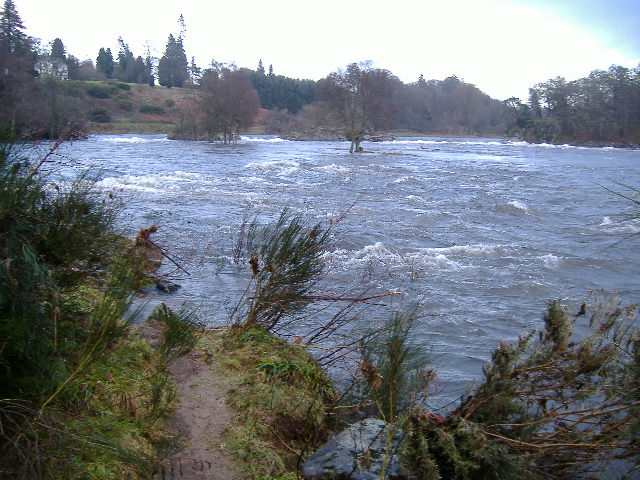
x: 169, y: 102
x: 393, y: 368
x: 98, y: 91
x: 550, y: 405
x: 100, y: 115
x: 125, y: 104
x: 151, y: 109
x: 75, y: 385
x: 286, y: 263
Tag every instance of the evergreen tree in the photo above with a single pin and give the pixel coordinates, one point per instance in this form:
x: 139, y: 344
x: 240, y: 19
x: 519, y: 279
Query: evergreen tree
x: 148, y: 64
x: 16, y: 52
x: 58, y: 50
x: 73, y: 67
x: 173, y: 66
x: 12, y: 37
x: 125, y: 63
x: 260, y: 68
x: 105, y: 63
x: 17, y: 67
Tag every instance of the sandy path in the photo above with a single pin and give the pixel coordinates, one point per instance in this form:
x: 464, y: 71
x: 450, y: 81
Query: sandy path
x: 200, y: 418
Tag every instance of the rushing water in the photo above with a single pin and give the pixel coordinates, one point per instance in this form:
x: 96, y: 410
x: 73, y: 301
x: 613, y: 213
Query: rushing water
x: 483, y: 232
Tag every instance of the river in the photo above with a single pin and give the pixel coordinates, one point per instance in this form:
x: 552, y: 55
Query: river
x: 483, y: 232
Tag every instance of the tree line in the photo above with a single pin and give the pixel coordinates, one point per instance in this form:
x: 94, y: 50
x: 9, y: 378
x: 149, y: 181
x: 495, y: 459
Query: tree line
x: 602, y: 108
x: 352, y: 103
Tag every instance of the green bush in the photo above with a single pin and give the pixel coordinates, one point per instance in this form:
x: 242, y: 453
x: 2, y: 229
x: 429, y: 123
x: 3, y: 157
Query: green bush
x: 286, y: 264
x: 125, y: 104
x: 170, y: 102
x: 76, y: 385
x: 96, y: 90
x: 553, y: 405
x: 151, y: 109
x: 48, y: 239
x: 99, y: 115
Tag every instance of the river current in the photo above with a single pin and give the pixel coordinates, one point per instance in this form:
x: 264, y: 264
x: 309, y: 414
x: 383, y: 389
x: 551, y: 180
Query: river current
x: 482, y: 232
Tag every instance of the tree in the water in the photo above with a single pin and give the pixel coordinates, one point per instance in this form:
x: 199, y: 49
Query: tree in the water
x: 360, y: 97
x: 229, y: 103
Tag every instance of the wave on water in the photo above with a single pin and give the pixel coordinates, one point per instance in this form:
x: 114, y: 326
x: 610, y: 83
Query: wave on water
x: 282, y: 168
x: 151, y: 182
x: 380, y: 255
x: 630, y: 226
x: 514, y: 207
x: 134, y: 139
x: 551, y: 261
x: 333, y: 168
x: 442, y: 258
x: 263, y: 139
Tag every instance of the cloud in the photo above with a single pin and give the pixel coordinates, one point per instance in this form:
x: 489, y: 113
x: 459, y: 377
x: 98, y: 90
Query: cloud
x: 502, y: 46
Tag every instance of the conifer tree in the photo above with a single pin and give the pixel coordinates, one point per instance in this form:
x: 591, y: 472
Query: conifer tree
x: 173, y: 66
x: 125, y: 65
x: 105, y: 63
x: 58, y: 50
x: 12, y: 37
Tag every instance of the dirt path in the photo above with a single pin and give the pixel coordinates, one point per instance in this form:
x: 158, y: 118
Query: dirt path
x: 200, y: 418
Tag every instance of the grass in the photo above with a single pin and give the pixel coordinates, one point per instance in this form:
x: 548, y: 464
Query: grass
x: 282, y: 399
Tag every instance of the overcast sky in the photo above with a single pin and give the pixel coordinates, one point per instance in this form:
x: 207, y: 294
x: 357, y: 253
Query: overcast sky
x: 501, y: 46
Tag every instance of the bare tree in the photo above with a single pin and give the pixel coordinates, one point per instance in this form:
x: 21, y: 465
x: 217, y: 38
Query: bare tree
x: 361, y: 99
x: 229, y: 103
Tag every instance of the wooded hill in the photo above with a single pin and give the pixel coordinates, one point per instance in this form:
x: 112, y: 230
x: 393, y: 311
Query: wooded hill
x: 47, y: 92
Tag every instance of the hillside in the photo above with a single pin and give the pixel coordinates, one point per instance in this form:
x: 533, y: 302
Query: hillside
x: 115, y: 107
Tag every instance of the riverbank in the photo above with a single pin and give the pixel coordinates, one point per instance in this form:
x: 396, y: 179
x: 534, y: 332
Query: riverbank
x: 246, y: 406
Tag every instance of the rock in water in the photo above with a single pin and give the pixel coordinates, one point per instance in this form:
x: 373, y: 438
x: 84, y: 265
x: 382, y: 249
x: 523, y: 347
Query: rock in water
x: 167, y: 286
x: 357, y: 453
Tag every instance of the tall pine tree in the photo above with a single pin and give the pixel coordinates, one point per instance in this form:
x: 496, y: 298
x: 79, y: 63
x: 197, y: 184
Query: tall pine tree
x: 105, y: 63
x: 173, y: 68
x: 16, y: 50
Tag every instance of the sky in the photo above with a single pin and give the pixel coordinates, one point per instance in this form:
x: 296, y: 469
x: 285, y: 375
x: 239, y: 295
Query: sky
x: 503, y: 47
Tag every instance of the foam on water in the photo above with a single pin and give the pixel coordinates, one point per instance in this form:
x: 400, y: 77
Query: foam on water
x: 132, y: 139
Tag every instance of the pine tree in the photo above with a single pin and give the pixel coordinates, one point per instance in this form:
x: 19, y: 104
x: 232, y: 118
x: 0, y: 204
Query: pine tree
x: 16, y: 52
x: 105, y: 63
x: 173, y: 66
x: 12, y: 37
x: 58, y: 50
x: 125, y: 64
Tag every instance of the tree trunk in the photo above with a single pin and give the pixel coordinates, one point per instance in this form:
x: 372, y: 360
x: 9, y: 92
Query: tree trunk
x: 355, y: 145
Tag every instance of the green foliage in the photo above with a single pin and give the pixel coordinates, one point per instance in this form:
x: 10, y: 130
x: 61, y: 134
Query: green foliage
x: 282, y: 400
x: 550, y: 405
x: 79, y: 394
x: 105, y: 63
x: 39, y: 229
x: 393, y: 367
x: 125, y: 104
x: 286, y: 264
x: 454, y: 448
x: 100, y: 115
x: 600, y: 108
x: 180, y: 335
x: 152, y: 109
x: 173, y: 65
x: 98, y: 90
x: 280, y: 93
